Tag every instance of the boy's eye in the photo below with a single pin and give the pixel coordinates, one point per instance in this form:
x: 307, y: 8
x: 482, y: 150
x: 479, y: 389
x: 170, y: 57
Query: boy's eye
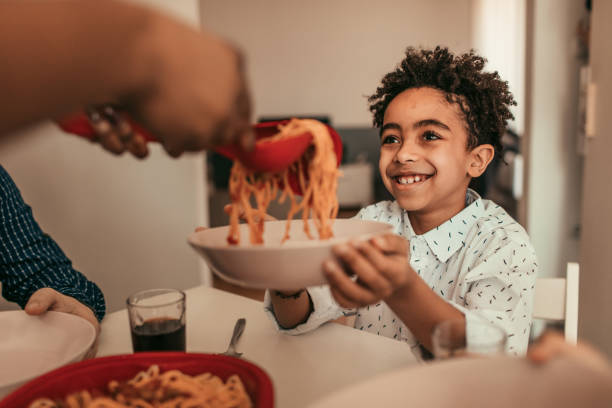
x: 389, y: 140
x: 429, y: 135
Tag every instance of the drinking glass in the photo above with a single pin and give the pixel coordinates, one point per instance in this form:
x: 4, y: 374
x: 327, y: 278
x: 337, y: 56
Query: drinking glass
x: 157, y: 320
x: 453, y: 338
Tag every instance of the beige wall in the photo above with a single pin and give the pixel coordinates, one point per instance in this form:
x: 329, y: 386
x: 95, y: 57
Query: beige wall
x: 498, y: 34
x: 596, y: 246
x: 553, y: 178
x: 324, y: 56
x: 122, y: 221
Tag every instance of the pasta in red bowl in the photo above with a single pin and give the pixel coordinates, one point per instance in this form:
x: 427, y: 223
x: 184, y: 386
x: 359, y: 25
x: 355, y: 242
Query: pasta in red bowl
x: 149, y: 380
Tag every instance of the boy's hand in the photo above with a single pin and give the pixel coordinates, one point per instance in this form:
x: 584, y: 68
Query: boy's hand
x: 380, y: 264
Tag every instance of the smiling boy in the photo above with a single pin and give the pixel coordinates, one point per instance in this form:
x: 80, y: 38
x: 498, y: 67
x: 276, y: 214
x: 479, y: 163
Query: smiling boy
x: 454, y: 256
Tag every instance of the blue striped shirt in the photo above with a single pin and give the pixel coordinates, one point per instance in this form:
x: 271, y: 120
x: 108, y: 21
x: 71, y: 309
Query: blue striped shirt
x: 31, y: 260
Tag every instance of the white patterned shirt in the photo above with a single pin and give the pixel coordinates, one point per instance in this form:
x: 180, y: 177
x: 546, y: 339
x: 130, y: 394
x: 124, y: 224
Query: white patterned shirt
x: 480, y: 261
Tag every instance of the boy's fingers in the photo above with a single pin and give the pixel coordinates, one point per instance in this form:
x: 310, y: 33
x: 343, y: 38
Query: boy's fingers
x: 373, y: 270
x: 374, y: 255
x: 342, y: 300
x: 391, y: 244
x: 198, y: 229
x: 340, y: 281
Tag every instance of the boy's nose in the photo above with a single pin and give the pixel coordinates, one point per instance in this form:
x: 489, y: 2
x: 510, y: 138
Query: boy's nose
x: 409, y: 151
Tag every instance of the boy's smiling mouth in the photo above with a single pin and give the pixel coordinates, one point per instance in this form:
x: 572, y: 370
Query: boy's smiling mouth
x: 411, y: 179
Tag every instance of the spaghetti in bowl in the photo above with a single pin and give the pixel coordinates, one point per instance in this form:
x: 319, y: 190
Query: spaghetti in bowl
x: 97, y: 375
x: 293, y: 264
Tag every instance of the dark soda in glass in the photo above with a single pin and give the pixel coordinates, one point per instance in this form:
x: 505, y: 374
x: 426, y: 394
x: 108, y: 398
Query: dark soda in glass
x: 159, y: 334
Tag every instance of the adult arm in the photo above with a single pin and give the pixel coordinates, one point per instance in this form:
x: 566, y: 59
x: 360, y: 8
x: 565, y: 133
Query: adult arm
x: 31, y: 260
x: 58, y: 56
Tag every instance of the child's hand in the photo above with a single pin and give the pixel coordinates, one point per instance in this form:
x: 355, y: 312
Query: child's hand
x: 380, y: 264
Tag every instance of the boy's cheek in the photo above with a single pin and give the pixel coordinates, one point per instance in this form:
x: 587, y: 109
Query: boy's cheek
x: 387, y: 183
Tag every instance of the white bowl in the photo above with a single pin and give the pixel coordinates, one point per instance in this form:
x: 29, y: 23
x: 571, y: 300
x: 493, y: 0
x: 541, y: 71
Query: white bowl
x: 291, y: 265
x: 32, y: 345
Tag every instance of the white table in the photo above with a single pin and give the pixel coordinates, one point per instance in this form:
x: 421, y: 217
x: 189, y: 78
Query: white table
x: 302, y: 368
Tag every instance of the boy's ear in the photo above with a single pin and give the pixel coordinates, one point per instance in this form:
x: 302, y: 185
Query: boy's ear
x: 480, y: 157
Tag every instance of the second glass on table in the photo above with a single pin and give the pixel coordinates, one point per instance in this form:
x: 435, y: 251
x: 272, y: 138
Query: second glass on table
x: 157, y: 320
x: 455, y: 338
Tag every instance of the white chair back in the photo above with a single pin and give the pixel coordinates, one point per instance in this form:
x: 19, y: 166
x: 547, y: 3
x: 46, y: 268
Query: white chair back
x: 556, y: 299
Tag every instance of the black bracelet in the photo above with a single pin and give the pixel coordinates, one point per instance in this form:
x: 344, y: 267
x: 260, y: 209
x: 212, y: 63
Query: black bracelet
x: 289, y: 296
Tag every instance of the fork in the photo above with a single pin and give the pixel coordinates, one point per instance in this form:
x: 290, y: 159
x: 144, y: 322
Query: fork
x: 238, y: 330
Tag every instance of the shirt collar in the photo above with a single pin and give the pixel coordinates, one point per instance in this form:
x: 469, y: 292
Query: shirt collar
x: 449, y: 237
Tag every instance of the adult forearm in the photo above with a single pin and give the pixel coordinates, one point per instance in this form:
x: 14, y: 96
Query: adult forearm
x: 421, y: 310
x: 61, y: 55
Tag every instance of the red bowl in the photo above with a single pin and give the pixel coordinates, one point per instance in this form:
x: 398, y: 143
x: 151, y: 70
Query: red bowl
x: 274, y: 157
x: 96, y: 373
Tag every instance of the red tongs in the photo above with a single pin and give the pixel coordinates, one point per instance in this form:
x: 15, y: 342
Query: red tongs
x: 265, y: 157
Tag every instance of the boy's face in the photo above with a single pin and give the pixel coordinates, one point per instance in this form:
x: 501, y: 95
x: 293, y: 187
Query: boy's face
x: 424, y: 160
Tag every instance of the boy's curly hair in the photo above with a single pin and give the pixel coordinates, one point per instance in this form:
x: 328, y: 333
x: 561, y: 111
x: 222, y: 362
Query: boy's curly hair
x: 483, y: 97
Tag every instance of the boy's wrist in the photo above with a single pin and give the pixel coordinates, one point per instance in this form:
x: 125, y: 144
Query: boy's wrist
x: 305, y: 317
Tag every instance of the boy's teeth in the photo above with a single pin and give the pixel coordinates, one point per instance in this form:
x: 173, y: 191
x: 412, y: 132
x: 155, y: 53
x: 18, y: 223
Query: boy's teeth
x: 410, y: 179
x: 405, y: 180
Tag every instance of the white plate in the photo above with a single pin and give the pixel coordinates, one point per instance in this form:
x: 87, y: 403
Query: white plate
x: 500, y: 382
x: 294, y: 264
x: 32, y: 345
